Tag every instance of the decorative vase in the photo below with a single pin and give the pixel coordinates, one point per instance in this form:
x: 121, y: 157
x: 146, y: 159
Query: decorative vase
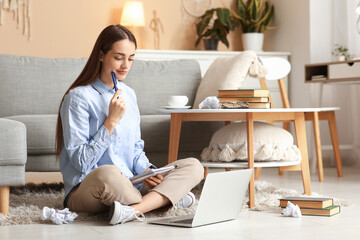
x: 211, y: 44
x: 253, y: 41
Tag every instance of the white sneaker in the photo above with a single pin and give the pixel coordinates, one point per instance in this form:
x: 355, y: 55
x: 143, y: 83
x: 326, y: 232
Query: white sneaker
x: 121, y: 214
x: 186, y: 201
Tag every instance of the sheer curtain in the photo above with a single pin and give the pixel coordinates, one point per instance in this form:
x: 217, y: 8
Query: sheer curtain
x: 345, y: 32
x: 345, y: 28
x: 353, y: 31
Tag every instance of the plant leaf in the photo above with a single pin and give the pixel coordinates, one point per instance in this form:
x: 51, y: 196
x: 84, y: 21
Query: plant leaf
x: 268, y: 17
x: 223, y: 15
x: 265, y: 18
x: 204, y: 21
x: 241, y: 8
x: 254, y: 15
x: 254, y: 11
x: 248, y: 2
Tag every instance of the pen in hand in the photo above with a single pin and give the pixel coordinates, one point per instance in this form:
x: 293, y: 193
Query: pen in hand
x: 114, y: 81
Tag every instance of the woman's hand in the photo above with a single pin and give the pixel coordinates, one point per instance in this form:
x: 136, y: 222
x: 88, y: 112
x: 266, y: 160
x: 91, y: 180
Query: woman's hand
x: 153, y: 181
x: 117, y: 108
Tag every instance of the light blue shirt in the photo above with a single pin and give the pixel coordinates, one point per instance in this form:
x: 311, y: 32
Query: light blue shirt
x: 87, y: 142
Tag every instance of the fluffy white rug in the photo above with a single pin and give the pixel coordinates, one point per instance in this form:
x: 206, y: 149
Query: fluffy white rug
x: 26, y: 203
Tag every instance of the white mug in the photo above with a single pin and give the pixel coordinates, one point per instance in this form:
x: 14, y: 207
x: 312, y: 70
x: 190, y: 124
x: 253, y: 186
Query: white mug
x: 177, y: 101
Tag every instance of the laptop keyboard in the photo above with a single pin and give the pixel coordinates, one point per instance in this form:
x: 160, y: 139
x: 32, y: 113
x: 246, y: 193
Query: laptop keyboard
x: 188, y: 221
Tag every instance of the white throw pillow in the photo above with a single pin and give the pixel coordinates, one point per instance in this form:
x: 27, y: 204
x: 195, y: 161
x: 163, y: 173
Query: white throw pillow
x: 271, y: 143
x: 228, y: 73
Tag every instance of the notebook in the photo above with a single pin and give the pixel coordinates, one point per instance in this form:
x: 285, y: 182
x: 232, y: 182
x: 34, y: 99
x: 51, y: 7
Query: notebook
x: 221, y: 200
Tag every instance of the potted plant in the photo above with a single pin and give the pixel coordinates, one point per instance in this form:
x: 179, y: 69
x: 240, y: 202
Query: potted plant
x: 342, y: 53
x: 254, y: 17
x: 212, y: 28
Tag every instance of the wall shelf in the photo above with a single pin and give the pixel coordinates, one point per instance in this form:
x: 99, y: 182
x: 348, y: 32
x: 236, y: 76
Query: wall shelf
x: 333, y: 72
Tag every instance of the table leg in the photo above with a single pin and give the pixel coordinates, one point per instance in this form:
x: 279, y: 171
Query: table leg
x: 335, y: 142
x: 227, y: 123
x: 316, y: 128
x: 206, y: 171
x: 286, y: 126
x: 300, y: 131
x: 250, y: 143
x: 175, y: 128
x: 258, y: 172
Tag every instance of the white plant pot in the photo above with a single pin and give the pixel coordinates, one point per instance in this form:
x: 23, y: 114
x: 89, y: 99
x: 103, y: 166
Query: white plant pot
x: 341, y: 58
x: 253, y: 41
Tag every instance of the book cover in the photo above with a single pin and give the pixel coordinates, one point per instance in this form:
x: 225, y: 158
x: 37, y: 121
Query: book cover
x: 307, y: 202
x: 329, y: 211
x: 243, y: 99
x: 243, y: 93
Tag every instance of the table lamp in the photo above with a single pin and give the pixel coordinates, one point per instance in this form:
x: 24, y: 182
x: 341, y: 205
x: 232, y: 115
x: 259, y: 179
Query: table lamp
x: 133, y: 15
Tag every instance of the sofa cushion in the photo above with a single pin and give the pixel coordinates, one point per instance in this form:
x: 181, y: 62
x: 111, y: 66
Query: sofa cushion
x: 42, y: 163
x: 34, y: 85
x: 12, y: 175
x: 155, y: 132
x: 12, y: 143
x: 40, y: 132
x: 153, y: 81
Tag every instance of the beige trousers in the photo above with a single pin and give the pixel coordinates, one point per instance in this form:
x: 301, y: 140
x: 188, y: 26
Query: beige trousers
x: 107, y: 184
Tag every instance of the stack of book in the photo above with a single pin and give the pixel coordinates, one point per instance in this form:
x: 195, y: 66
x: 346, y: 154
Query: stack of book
x: 318, y: 77
x: 244, y: 98
x: 313, y: 206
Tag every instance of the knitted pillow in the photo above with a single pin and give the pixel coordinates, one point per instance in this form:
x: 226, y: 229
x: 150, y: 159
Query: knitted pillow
x: 271, y: 143
x: 228, y: 73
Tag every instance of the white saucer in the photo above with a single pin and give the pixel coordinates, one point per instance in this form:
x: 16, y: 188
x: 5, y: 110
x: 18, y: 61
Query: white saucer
x: 176, y: 107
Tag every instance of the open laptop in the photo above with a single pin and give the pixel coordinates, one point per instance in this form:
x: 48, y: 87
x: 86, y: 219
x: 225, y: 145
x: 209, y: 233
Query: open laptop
x: 221, y: 200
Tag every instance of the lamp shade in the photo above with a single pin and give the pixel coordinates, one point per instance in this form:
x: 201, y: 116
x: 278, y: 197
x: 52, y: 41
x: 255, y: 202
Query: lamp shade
x: 133, y: 14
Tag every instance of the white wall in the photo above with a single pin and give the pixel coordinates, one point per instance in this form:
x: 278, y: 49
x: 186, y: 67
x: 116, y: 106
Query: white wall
x: 321, y: 26
x: 306, y: 29
x: 292, y: 35
x: 329, y: 25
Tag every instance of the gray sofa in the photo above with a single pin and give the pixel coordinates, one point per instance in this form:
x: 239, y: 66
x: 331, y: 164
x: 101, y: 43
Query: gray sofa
x: 32, y: 87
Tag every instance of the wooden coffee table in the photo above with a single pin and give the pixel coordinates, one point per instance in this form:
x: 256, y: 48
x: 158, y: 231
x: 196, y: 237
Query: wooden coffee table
x: 249, y: 115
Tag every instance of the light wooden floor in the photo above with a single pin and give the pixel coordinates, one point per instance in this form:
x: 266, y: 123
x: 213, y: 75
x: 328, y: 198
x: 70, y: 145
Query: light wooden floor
x: 249, y: 225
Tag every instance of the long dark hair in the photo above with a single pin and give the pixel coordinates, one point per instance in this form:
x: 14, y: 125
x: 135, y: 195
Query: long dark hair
x: 92, y: 69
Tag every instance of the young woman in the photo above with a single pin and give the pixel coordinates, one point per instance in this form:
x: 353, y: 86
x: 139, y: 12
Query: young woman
x: 99, y: 144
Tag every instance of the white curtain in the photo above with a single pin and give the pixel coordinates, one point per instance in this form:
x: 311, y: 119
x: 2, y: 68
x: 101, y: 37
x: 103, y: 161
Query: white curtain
x: 345, y: 32
x: 345, y: 28
x: 353, y: 31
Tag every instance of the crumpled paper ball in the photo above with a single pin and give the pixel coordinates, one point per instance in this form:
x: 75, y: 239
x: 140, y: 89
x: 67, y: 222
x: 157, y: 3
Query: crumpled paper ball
x: 210, y: 102
x: 291, y: 210
x: 58, y: 216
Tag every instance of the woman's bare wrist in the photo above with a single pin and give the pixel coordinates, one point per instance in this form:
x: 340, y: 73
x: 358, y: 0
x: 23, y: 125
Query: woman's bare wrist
x: 110, y: 125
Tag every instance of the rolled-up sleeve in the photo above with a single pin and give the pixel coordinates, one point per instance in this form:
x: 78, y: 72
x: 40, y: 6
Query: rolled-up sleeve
x: 83, y: 150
